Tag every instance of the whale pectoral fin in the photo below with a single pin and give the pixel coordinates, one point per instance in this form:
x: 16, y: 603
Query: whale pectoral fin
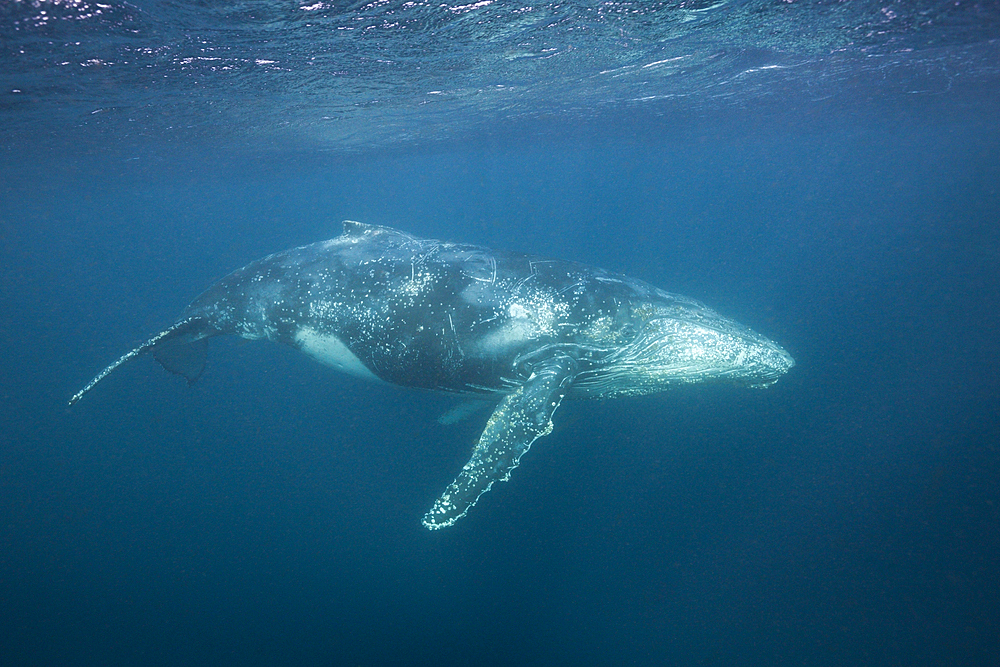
x: 521, y: 418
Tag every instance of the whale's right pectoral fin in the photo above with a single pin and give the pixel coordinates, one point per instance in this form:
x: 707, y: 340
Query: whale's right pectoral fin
x: 522, y: 417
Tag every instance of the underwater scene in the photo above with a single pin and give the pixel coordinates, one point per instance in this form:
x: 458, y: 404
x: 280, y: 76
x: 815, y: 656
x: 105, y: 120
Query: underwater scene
x: 500, y: 333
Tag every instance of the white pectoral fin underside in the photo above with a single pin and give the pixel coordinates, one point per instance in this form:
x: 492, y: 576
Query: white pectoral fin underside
x: 522, y: 417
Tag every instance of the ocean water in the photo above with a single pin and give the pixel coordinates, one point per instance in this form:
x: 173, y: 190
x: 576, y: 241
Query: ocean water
x: 827, y: 173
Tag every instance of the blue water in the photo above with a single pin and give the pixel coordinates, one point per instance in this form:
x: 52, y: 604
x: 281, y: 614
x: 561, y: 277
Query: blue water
x: 826, y: 173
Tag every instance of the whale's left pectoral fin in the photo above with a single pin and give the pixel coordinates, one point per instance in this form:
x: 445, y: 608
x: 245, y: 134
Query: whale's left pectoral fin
x: 521, y: 418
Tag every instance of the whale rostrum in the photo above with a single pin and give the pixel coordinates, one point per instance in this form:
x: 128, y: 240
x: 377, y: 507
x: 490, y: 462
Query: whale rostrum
x: 387, y: 306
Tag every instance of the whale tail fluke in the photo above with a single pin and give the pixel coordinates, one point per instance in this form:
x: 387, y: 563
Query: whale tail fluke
x: 180, y: 349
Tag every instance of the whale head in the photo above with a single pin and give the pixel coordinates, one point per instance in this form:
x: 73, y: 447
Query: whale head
x: 674, y: 340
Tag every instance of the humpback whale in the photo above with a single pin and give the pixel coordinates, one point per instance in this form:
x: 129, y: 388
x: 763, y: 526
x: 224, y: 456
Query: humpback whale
x: 528, y: 331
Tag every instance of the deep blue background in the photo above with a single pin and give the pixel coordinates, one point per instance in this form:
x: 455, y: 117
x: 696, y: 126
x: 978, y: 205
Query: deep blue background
x: 270, y: 513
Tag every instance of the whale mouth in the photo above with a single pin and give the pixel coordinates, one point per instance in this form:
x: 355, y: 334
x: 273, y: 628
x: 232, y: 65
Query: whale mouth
x: 775, y: 363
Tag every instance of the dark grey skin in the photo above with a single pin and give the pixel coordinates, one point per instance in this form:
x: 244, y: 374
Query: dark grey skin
x: 384, y: 305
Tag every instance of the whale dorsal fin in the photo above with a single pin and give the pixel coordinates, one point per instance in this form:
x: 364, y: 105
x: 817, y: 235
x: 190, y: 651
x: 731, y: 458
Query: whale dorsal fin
x: 522, y: 417
x: 355, y: 229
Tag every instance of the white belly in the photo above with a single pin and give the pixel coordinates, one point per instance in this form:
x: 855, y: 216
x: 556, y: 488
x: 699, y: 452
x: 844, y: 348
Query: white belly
x: 331, y: 351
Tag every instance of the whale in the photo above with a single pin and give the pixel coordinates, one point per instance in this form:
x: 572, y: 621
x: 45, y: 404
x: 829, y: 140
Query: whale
x: 522, y: 331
